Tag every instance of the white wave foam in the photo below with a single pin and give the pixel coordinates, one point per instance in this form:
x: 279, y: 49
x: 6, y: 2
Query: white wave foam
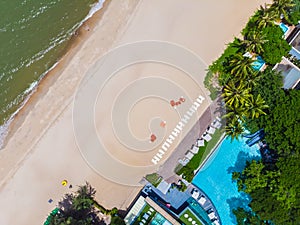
x: 94, y: 9
x: 31, y: 89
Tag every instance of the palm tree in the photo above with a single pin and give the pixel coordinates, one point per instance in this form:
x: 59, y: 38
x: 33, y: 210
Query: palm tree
x: 234, y: 129
x: 86, y: 191
x: 77, y: 208
x: 234, y: 113
x: 254, y: 42
x: 265, y: 17
x: 255, y: 107
x: 280, y: 8
x: 235, y: 95
x: 241, y: 66
x: 252, y: 80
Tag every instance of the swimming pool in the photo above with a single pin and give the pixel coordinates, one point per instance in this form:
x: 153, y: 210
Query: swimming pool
x: 258, y: 63
x: 159, y: 220
x: 215, y: 177
x: 283, y: 27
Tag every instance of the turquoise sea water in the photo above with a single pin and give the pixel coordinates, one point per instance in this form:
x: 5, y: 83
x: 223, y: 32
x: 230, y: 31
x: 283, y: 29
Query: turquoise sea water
x: 215, y: 177
x: 34, y: 34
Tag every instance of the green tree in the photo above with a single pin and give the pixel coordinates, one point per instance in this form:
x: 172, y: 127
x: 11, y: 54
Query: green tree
x: 241, y: 66
x: 264, y: 17
x: 276, y: 47
x: 234, y: 129
x: 78, y: 208
x: 116, y: 220
x: 235, y: 95
x: 244, y: 217
x: 294, y: 13
x: 254, y: 42
x: 280, y: 8
x: 254, y: 107
x: 252, y: 80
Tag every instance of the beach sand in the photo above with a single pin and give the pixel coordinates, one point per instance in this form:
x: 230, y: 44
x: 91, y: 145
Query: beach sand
x: 41, y: 151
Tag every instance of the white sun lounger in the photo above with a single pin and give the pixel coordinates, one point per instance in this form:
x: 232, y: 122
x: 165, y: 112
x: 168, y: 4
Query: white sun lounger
x: 206, y: 137
x: 200, y: 142
x: 195, y: 194
x: 195, y: 149
x: 212, y: 215
x: 189, y: 155
x: 183, y: 161
x: 211, y: 130
x: 202, y: 200
x: 217, y: 125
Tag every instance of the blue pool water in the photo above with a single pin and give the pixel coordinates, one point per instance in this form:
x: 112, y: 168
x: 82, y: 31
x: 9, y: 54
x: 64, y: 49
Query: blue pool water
x: 283, y: 27
x: 258, y: 63
x: 159, y: 220
x: 215, y: 177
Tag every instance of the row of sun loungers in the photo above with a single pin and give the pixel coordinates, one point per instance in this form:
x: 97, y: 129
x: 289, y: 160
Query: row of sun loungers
x: 216, y: 124
x: 146, y: 216
x: 196, y: 194
x: 202, y: 200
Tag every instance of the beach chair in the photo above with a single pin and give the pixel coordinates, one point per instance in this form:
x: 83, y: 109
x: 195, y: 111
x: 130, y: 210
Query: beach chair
x: 206, y: 137
x: 212, y: 216
x: 200, y: 142
x: 195, y: 149
x: 211, y: 130
x: 202, y: 200
x: 189, y: 155
x: 195, y: 194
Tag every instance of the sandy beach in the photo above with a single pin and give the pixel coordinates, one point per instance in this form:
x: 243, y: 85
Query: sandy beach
x: 42, y: 150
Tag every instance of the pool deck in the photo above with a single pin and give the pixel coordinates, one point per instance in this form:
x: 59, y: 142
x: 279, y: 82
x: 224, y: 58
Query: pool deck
x: 208, y: 205
x: 166, y: 170
x: 178, y: 200
x: 158, y: 209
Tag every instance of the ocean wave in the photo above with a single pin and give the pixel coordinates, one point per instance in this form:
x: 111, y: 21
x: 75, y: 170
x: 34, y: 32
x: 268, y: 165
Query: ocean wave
x: 33, y: 86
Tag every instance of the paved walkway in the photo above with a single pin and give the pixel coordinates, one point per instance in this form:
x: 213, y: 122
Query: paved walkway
x: 167, y: 169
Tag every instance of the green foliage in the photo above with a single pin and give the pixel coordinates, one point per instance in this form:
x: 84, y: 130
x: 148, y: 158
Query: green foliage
x: 261, y: 19
x: 77, y: 208
x: 281, y: 123
x: 244, y: 217
x: 254, y: 42
x: 294, y: 15
x: 211, y: 83
x: 257, y: 100
x: 281, y: 8
x: 235, y: 95
x: 232, y: 48
x: 234, y: 128
x: 276, y: 47
x: 154, y: 179
x: 188, y: 170
x: 273, y: 188
x: 116, y: 220
x: 240, y: 66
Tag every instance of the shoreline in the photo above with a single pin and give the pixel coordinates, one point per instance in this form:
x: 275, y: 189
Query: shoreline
x: 41, y: 150
x: 50, y: 77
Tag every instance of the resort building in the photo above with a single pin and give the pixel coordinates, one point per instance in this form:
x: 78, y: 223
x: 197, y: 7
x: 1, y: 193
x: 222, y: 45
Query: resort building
x: 166, y: 205
x: 290, y: 66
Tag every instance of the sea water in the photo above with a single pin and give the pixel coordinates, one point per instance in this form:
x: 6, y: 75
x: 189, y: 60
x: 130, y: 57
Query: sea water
x: 34, y: 35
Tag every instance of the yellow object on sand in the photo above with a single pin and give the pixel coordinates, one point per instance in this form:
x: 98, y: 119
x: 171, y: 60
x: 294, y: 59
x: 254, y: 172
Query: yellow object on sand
x: 64, y: 183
